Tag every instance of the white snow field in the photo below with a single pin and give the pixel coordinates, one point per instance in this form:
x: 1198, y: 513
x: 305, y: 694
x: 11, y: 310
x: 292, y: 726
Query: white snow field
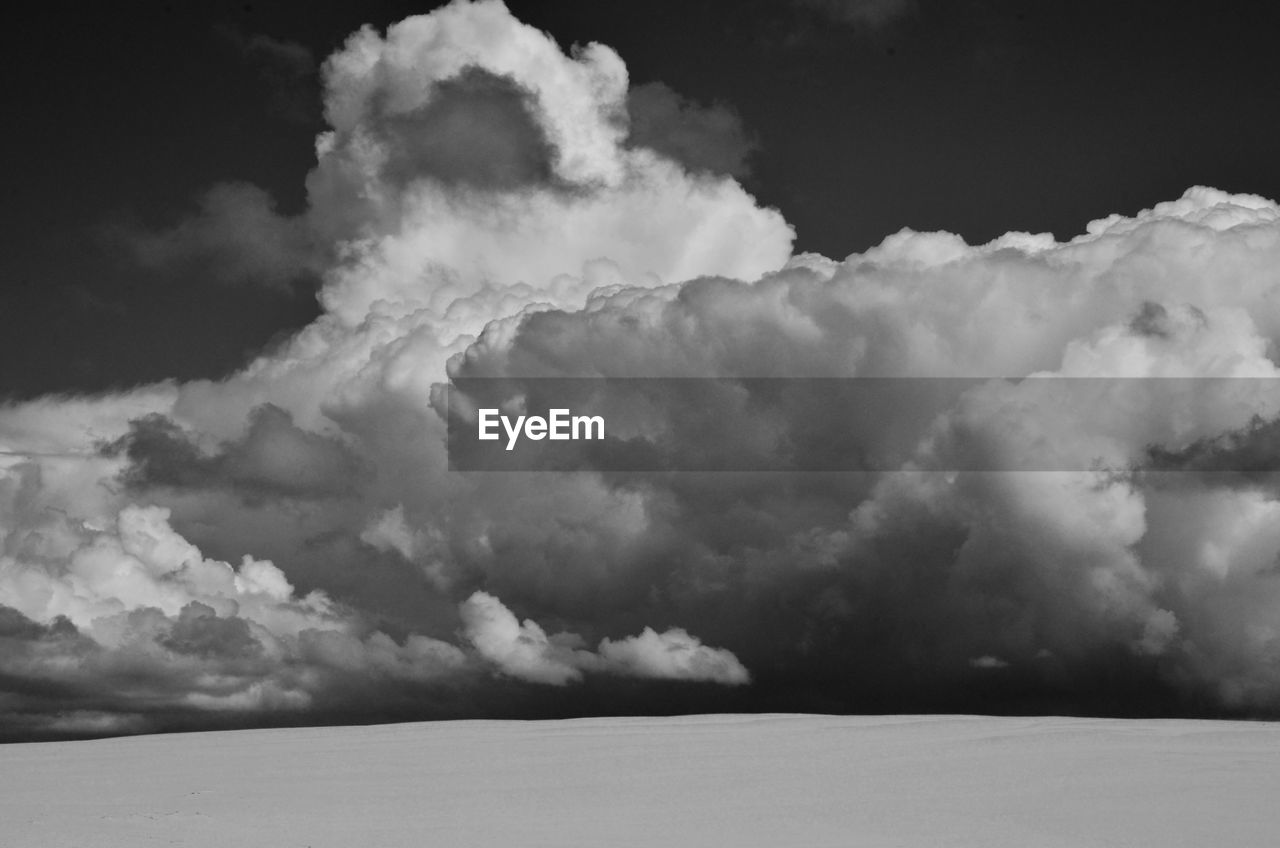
x: 782, y: 781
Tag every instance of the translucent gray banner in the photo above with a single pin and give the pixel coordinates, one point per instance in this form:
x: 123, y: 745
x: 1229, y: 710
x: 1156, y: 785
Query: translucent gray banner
x: 862, y: 424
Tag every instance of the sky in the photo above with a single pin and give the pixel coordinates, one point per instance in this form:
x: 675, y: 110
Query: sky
x: 972, y: 117
x: 251, y: 244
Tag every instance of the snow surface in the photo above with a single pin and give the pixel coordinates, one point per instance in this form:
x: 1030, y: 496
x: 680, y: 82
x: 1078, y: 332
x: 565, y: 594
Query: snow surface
x: 775, y: 780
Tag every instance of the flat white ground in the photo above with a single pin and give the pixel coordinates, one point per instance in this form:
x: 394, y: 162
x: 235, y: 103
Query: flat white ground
x: 718, y: 781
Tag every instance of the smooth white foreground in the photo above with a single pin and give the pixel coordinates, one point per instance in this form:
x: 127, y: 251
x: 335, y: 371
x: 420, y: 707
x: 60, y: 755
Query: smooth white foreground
x: 731, y: 781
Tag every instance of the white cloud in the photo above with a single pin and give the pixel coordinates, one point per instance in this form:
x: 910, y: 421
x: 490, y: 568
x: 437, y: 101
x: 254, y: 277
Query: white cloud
x: 523, y: 650
x: 673, y: 655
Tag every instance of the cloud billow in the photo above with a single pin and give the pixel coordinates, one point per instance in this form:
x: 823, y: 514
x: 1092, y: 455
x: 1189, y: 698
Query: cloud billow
x: 289, y: 544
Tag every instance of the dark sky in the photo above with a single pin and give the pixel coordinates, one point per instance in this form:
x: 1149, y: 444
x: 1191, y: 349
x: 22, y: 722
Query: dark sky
x: 974, y: 116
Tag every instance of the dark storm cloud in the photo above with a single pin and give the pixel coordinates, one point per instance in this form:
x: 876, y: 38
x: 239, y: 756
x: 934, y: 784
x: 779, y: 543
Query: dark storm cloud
x: 200, y: 632
x: 1249, y: 453
x: 193, y: 669
x: 16, y: 626
x: 274, y: 458
x: 931, y: 586
x: 702, y: 138
x: 1154, y: 320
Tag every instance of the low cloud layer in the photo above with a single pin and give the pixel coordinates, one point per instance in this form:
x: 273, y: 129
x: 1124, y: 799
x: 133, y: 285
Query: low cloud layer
x: 523, y: 650
x: 287, y: 544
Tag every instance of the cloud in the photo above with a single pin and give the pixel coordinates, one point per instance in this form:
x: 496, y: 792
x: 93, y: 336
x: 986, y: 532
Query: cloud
x: 287, y: 543
x: 237, y: 235
x: 988, y: 662
x: 272, y: 458
x: 702, y: 138
x: 1053, y: 572
x: 140, y: 626
x: 673, y: 655
x: 519, y: 649
x: 140, y: 562
x: 1251, y: 451
x: 523, y: 650
x: 479, y: 130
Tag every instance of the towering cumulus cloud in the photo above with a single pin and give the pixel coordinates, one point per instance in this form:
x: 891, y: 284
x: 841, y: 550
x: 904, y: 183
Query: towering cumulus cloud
x: 287, y: 544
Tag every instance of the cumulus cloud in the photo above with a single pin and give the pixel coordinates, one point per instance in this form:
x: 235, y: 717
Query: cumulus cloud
x: 481, y: 170
x: 1052, y: 572
x: 674, y: 655
x: 131, y: 620
x: 289, y: 540
x: 523, y: 650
